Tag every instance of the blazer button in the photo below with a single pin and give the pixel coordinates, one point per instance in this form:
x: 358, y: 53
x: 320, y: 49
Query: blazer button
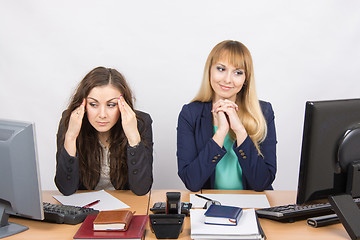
x: 242, y: 154
x: 69, y: 169
x: 240, y: 151
x: 133, y: 162
x: 216, y: 157
x: 132, y: 153
x: 244, y: 157
x: 213, y: 160
x: 71, y: 160
x: 68, y: 177
x: 135, y: 172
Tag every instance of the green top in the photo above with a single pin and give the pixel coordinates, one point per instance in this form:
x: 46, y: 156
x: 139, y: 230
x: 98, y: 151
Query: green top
x: 228, y: 172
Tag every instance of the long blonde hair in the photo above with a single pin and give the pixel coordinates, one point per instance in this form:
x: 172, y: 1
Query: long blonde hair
x: 250, y: 113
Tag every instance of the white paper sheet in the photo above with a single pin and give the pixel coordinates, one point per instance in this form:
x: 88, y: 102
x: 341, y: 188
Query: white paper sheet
x: 107, y: 201
x: 247, y: 226
x: 238, y: 200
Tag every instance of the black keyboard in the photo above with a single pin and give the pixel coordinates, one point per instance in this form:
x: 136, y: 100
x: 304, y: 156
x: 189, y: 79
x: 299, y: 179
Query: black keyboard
x: 294, y: 212
x: 66, y: 214
x: 159, y: 207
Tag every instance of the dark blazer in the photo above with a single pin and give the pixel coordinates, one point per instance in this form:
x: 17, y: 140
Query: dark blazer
x: 198, y: 153
x: 139, y: 161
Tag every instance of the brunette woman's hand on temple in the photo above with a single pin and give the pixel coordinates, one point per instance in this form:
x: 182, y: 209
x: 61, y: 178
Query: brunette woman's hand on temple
x: 129, y: 122
x: 74, y: 127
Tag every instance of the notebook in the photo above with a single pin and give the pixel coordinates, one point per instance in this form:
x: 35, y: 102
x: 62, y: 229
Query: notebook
x: 222, y: 215
x: 114, y: 220
x: 135, y: 230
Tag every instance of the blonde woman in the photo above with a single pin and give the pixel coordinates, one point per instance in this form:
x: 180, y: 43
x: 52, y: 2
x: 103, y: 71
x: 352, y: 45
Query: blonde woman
x: 226, y: 137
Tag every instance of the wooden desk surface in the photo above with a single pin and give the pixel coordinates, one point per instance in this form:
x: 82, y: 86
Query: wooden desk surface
x: 298, y: 230
x: 44, y: 230
x: 141, y: 204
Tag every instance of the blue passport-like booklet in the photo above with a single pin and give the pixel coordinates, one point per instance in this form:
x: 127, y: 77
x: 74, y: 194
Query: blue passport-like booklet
x: 223, y: 215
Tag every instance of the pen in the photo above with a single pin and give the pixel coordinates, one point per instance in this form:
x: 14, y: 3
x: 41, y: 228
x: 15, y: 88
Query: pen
x: 200, y: 196
x: 91, y: 204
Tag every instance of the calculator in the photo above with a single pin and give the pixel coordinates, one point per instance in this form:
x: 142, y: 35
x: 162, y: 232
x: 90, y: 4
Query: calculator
x: 159, y: 207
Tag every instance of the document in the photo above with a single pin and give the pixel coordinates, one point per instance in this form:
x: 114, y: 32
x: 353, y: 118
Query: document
x: 237, y: 200
x: 247, y: 227
x: 107, y: 201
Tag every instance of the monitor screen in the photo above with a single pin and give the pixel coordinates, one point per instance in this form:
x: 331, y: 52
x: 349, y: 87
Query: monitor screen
x: 20, y: 191
x: 326, y: 124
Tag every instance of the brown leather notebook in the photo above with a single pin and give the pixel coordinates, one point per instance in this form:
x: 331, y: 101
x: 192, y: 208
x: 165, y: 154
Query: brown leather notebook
x: 114, y: 220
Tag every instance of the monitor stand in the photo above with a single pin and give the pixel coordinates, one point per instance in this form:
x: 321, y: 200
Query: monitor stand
x: 8, y: 228
x: 348, y: 213
x: 344, y: 206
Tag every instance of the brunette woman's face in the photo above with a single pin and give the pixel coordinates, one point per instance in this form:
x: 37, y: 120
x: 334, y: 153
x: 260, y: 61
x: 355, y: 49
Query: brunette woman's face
x: 226, y: 80
x: 101, y: 107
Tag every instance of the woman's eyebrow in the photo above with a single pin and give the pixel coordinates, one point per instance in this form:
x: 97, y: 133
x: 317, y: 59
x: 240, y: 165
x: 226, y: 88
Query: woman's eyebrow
x: 115, y: 98
x: 94, y: 99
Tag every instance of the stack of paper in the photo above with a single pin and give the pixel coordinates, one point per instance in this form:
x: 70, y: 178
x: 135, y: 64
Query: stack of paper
x: 247, y: 227
x: 237, y: 200
x: 106, y: 200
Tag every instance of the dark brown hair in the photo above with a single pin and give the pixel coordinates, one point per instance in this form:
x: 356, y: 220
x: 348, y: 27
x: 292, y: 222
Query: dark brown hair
x: 87, y: 144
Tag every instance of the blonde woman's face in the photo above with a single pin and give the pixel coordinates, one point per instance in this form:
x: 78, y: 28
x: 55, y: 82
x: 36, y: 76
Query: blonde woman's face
x: 101, y: 107
x: 226, y: 80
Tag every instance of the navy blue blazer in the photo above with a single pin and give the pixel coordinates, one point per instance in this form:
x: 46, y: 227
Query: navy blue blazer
x: 198, y: 153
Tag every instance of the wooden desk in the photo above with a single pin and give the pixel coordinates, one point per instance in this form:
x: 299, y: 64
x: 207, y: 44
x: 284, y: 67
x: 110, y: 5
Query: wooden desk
x: 43, y: 230
x: 298, y: 230
x: 141, y: 204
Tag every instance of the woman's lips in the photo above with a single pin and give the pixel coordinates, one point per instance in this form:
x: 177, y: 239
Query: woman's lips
x: 226, y: 88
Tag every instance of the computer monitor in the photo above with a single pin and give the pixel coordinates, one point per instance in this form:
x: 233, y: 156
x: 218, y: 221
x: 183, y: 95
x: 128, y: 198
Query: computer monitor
x: 20, y: 190
x: 330, y: 148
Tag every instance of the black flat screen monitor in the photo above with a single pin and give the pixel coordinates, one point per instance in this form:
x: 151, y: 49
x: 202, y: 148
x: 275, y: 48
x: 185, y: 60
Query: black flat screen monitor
x: 20, y: 191
x: 331, y: 141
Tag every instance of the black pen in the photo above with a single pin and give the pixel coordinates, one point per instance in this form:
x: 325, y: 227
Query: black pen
x: 200, y: 196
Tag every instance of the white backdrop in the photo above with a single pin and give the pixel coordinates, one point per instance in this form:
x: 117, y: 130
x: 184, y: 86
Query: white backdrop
x: 302, y: 50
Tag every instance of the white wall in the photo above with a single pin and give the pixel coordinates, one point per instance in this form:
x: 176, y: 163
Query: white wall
x: 302, y: 50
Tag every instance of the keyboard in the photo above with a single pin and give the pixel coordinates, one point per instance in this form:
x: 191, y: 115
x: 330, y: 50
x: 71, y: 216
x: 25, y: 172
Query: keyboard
x: 66, y: 214
x: 159, y: 207
x: 295, y: 212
